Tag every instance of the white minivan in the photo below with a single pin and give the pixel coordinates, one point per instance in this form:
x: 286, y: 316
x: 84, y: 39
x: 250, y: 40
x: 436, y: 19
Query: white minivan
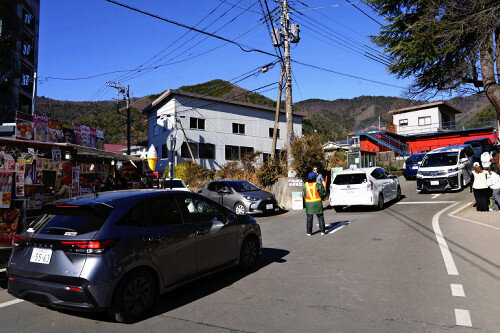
x: 446, y: 169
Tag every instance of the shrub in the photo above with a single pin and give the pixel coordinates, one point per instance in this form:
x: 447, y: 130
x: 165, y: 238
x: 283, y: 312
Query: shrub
x: 192, y: 174
x: 307, y: 152
x: 269, y: 172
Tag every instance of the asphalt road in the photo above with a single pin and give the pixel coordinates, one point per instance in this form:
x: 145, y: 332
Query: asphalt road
x: 412, y: 267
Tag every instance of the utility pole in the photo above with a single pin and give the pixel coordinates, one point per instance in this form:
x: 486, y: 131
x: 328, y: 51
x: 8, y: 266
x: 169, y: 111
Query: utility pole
x: 126, y: 95
x: 277, y: 117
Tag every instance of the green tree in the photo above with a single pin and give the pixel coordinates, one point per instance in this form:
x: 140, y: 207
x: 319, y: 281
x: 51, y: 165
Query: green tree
x: 447, y: 45
x: 307, y: 152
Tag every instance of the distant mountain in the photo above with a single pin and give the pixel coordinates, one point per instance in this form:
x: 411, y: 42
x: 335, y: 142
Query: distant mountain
x: 332, y: 120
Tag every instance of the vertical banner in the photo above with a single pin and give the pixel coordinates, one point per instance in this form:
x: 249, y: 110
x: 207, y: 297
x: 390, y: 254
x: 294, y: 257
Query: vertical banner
x: 85, y: 136
x: 75, y: 182
x: 100, y: 139
x: 55, y: 131
x: 20, y: 184
x: 78, y: 133
x: 41, y: 127
x: 68, y: 133
x: 6, y: 189
x: 93, y: 138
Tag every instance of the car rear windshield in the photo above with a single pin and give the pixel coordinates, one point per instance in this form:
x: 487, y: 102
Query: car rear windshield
x: 244, y: 187
x: 175, y: 183
x: 69, y: 220
x: 440, y: 159
x: 350, y: 179
x: 415, y: 158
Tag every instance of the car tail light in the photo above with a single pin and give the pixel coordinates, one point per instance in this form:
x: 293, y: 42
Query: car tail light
x: 20, y: 241
x: 404, y: 165
x: 97, y: 246
x: 369, y: 185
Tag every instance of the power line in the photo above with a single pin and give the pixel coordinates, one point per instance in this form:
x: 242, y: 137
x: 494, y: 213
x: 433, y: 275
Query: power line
x: 348, y: 75
x: 191, y: 28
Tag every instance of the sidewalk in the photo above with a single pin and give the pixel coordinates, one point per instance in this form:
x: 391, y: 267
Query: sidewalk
x: 490, y: 218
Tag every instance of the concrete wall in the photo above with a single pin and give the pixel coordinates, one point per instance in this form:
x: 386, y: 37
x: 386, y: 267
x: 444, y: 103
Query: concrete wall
x: 283, y: 192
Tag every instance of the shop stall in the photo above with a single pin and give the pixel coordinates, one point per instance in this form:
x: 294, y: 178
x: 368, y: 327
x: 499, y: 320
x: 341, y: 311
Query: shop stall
x: 32, y: 174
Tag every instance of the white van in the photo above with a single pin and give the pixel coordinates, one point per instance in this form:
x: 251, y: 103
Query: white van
x: 446, y: 169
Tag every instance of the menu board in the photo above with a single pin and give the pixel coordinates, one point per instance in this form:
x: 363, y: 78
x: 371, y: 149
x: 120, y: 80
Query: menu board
x: 9, y: 220
x: 68, y: 133
x: 5, y: 189
x: 55, y: 131
x: 41, y: 127
x: 24, y: 126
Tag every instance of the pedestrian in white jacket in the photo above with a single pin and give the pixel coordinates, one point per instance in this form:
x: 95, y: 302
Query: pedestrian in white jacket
x: 494, y: 185
x: 479, y: 184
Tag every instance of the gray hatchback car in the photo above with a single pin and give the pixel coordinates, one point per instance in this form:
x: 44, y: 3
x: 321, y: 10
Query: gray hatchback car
x: 240, y: 196
x: 117, y: 251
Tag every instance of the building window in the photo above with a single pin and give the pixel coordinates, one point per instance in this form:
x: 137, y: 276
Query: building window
x: 196, y: 123
x: 238, y: 128
x: 185, y: 151
x: 232, y: 153
x: 207, y: 150
x: 245, y: 151
x: 271, y: 131
x: 164, y: 151
x: 403, y: 122
x: 424, y: 121
x: 266, y: 157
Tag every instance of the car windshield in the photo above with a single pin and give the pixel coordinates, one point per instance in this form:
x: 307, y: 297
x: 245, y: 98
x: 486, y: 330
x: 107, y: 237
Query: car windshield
x: 350, y: 179
x: 415, y: 158
x: 244, y: 187
x: 440, y: 159
x: 176, y: 183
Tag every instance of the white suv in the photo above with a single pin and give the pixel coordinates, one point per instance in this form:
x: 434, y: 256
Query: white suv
x: 363, y: 187
x: 446, y: 169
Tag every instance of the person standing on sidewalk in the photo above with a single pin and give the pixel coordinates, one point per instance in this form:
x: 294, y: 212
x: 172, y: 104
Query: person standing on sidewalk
x: 494, y: 185
x: 319, y: 177
x: 314, y: 193
x: 479, y: 183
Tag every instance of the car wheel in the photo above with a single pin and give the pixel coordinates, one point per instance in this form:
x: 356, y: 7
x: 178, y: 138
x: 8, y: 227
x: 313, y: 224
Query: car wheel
x: 398, y: 195
x: 249, y: 253
x: 134, y: 297
x: 239, y: 209
x: 338, y: 209
x: 380, y: 205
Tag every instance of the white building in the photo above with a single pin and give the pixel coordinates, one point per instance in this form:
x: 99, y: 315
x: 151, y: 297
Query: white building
x: 218, y: 130
x: 427, y: 118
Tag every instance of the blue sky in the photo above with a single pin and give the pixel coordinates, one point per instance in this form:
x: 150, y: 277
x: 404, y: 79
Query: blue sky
x: 104, y: 41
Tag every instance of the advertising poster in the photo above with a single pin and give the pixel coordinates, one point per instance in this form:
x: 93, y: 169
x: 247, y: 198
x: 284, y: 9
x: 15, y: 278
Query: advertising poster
x: 24, y: 126
x: 68, y: 133
x: 100, y: 139
x: 20, y: 184
x: 85, y: 136
x: 78, y: 133
x: 55, y: 131
x: 41, y: 127
x: 93, y: 138
x: 56, y: 155
x: 9, y: 220
x: 5, y: 189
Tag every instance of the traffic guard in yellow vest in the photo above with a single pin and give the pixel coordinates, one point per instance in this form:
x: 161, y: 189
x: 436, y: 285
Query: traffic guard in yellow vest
x: 314, y: 193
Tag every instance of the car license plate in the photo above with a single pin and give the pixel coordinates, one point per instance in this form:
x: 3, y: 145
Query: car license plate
x: 269, y: 206
x: 41, y: 256
x: 415, y: 167
x: 434, y: 182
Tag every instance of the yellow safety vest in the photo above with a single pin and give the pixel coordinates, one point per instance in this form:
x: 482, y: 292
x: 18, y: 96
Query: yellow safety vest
x: 312, y: 193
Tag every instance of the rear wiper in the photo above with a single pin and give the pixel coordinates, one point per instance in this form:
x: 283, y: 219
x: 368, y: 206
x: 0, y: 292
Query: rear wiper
x: 59, y: 230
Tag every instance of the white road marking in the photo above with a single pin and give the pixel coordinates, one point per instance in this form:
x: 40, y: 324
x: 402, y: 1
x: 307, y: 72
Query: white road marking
x: 463, y: 317
x: 10, y: 302
x: 457, y: 290
x: 422, y: 202
x: 448, y: 259
x: 434, y: 196
x: 3, y: 270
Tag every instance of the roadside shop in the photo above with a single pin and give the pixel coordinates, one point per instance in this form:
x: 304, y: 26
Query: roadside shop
x: 31, y: 172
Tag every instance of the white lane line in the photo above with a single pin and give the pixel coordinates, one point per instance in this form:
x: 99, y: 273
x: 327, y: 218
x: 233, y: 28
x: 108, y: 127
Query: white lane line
x: 434, y: 196
x: 448, y: 259
x: 452, y: 214
x: 3, y: 270
x: 463, y: 317
x: 422, y: 202
x: 457, y: 290
x: 10, y: 303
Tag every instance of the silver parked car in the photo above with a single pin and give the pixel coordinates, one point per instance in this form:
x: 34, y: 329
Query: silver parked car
x: 117, y: 251
x: 363, y: 187
x: 240, y: 196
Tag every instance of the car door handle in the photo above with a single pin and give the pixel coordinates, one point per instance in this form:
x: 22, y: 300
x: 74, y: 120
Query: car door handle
x: 202, y: 231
